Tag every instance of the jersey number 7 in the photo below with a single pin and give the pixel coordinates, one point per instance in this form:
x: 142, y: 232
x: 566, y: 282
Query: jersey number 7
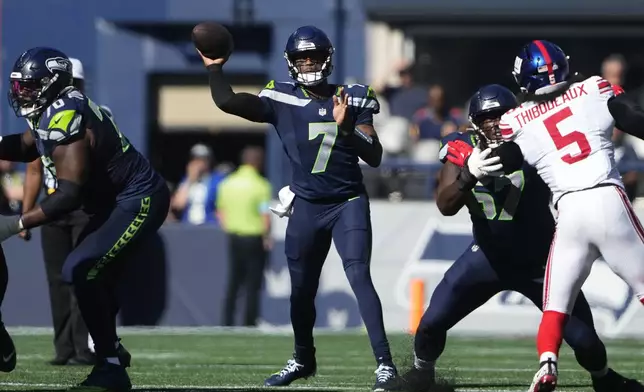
x: 329, y: 132
x: 561, y: 141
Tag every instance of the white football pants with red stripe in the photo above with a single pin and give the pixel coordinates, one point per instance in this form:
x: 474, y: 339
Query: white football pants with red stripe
x: 591, y: 223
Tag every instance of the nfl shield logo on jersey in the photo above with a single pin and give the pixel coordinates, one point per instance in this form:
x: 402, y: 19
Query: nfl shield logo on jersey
x: 322, y: 112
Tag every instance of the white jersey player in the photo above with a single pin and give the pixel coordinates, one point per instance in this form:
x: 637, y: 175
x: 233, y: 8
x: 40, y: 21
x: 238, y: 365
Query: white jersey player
x: 564, y: 130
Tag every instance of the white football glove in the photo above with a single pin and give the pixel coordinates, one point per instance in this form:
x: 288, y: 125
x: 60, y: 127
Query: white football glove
x: 481, y: 166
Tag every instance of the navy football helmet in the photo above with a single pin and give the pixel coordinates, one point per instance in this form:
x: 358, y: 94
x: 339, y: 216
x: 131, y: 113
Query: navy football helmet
x: 37, y: 79
x: 309, y: 56
x: 486, y: 108
x: 540, y: 64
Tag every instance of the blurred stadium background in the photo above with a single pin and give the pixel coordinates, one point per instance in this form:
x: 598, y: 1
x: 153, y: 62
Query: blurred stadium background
x: 423, y: 58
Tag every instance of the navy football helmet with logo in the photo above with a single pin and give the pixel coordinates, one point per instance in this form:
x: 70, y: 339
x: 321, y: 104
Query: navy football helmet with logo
x: 309, y: 56
x: 486, y: 107
x: 37, y: 79
x: 540, y: 64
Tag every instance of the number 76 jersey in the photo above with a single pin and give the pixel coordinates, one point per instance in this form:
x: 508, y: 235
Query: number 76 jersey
x: 567, y: 139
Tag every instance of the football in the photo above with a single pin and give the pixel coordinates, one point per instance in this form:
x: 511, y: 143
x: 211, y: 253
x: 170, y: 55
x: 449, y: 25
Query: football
x: 212, y: 39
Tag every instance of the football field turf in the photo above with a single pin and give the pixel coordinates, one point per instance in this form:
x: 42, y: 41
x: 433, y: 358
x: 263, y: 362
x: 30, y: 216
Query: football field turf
x: 210, y: 359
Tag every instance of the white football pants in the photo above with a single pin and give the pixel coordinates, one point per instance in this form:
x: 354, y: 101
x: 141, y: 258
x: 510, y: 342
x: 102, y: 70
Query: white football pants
x: 593, y: 223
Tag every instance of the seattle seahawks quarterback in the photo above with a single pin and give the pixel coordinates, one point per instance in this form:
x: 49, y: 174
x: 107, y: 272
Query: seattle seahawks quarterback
x: 96, y: 167
x: 513, y: 228
x: 324, y: 129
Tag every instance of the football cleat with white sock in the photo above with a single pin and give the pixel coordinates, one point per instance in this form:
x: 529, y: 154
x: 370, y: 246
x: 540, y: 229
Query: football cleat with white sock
x: 546, y: 378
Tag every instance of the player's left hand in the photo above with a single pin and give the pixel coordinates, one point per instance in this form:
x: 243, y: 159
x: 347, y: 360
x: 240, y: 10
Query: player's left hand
x: 341, y: 112
x: 458, y: 151
x: 9, y: 226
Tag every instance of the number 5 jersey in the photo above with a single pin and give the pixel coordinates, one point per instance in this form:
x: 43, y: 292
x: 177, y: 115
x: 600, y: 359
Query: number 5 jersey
x: 568, y: 138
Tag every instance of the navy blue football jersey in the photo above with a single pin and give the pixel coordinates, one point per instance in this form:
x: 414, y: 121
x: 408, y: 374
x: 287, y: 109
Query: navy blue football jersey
x: 117, y: 171
x: 511, y: 214
x: 324, y: 164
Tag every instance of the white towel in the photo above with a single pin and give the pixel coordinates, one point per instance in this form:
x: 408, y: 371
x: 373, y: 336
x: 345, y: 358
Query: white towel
x: 285, y: 206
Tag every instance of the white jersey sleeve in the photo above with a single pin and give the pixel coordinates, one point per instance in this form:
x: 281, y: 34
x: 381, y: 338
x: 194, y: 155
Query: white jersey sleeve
x: 509, y: 126
x: 567, y: 139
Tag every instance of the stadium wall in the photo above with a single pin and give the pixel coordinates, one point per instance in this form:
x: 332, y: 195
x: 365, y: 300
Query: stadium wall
x: 180, y: 279
x: 114, y: 40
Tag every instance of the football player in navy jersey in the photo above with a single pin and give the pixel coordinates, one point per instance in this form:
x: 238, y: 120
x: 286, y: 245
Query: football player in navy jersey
x: 325, y: 129
x: 513, y: 228
x: 95, y: 167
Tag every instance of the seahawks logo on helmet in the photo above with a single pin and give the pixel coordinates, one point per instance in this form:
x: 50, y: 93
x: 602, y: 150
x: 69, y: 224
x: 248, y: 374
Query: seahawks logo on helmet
x: 58, y: 64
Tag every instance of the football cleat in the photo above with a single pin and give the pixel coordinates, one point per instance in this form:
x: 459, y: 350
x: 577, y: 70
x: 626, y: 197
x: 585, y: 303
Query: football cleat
x: 293, y: 370
x: 419, y: 380
x: 124, y: 356
x: 545, y: 380
x: 7, y: 351
x: 615, y: 382
x: 105, y: 377
x: 386, y: 379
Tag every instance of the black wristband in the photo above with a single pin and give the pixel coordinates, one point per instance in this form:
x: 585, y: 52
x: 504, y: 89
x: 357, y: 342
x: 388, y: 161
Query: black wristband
x: 466, y: 180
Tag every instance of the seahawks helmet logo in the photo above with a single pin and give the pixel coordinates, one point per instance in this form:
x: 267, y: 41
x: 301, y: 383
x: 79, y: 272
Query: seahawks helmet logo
x: 58, y: 64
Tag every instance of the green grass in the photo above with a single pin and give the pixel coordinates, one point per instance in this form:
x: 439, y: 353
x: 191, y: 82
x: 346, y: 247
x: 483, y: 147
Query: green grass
x: 208, y: 359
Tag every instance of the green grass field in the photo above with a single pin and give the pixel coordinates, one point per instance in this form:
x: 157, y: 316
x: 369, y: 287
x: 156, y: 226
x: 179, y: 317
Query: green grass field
x: 216, y: 360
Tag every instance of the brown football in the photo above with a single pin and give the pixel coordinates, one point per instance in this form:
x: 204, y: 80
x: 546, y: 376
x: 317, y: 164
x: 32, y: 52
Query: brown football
x: 212, y: 39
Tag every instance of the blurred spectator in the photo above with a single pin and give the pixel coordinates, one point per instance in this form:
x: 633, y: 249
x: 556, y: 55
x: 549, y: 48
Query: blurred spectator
x: 12, y: 192
x: 614, y: 69
x: 404, y: 100
x: 430, y: 124
x: 242, y: 206
x: 224, y: 168
x: 195, y: 198
x: 625, y: 157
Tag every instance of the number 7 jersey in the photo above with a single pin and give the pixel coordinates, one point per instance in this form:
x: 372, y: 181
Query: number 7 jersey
x: 567, y: 139
x: 323, y: 162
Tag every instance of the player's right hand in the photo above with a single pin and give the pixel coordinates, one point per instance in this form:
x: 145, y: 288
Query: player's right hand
x: 25, y: 235
x: 481, y: 166
x: 458, y: 151
x: 207, y: 61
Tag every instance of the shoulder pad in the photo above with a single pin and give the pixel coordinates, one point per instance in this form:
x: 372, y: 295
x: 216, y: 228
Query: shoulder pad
x: 282, y: 87
x: 599, y: 84
x: 468, y: 137
x: 282, y: 92
x: 62, y: 119
x: 507, y: 125
x: 362, y: 96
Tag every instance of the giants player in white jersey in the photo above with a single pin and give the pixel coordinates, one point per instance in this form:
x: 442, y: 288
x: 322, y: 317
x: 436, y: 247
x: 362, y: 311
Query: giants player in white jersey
x: 564, y: 129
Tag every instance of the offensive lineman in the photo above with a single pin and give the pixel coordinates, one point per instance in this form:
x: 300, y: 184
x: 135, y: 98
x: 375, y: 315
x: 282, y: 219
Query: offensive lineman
x: 564, y: 130
x: 324, y: 128
x: 513, y: 228
x: 96, y: 167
